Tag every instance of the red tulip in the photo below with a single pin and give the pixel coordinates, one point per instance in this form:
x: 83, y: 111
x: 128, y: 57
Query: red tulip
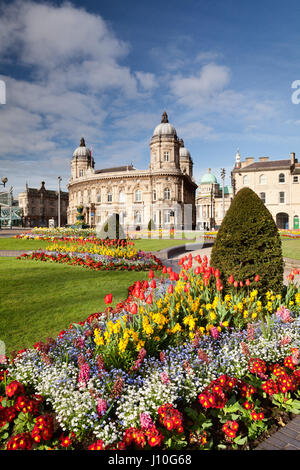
x: 256, y: 279
x: 197, y: 270
x: 235, y: 284
x: 169, y: 269
x: 217, y: 273
x: 153, y: 284
x: 149, y: 299
x: 151, y: 275
x: 170, y: 289
x: 133, y: 309
x: 142, y: 295
x: 230, y: 279
x: 108, y: 299
x: 241, y: 284
x: 247, y: 282
x: 164, y: 271
x: 146, y: 284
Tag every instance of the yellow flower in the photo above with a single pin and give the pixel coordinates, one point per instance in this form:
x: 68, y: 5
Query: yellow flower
x: 254, y: 315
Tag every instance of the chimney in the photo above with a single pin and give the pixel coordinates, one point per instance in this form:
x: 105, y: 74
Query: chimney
x: 263, y: 159
x: 293, y: 159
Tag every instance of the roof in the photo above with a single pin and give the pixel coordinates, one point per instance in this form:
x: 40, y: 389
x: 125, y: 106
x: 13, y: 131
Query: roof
x: 208, y: 178
x: 265, y: 165
x: 116, y: 168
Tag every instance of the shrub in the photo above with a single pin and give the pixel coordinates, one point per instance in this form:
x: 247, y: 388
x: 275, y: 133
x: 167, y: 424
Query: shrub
x: 248, y: 243
x: 112, y: 228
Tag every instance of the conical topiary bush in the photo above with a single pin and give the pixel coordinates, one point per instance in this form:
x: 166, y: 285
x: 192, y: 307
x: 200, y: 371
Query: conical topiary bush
x: 248, y: 244
x: 111, y: 228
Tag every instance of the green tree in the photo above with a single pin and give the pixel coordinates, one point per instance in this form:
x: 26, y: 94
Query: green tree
x: 248, y: 244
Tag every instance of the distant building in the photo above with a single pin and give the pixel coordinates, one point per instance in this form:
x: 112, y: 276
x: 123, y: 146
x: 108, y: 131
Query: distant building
x: 209, y: 202
x: 276, y: 182
x: 164, y: 193
x: 41, y: 205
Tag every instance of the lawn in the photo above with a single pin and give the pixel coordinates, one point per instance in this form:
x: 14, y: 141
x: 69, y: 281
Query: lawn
x: 142, y: 244
x: 39, y: 300
x: 291, y: 248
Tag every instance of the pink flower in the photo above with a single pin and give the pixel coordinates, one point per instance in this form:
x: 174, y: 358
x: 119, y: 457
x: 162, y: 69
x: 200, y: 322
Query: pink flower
x: 164, y: 378
x: 146, y: 421
x: 101, y: 406
x: 84, y: 375
x: 285, y: 315
x: 214, y: 332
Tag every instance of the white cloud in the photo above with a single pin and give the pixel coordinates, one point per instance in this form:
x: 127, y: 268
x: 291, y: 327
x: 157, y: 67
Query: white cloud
x: 211, y: 80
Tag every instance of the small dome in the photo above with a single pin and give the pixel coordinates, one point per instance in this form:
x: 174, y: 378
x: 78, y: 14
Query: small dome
x: 164, y: 128
x: 82, y: 150
x: 183, y: 152
x: 208, y: 178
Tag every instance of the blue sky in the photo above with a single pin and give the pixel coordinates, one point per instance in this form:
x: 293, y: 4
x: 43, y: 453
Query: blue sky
x: 107, y: 70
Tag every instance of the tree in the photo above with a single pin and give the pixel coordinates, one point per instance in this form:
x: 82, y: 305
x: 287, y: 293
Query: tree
x: 248, y: 244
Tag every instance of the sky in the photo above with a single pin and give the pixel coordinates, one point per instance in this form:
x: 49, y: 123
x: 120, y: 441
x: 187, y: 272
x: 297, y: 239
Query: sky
x: 107, y: 70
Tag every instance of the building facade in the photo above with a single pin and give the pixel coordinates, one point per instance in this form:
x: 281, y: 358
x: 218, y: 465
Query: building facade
x: 41, y: 205
x: 164, y: 194
x: 212, y: 202
x: 276, y: 182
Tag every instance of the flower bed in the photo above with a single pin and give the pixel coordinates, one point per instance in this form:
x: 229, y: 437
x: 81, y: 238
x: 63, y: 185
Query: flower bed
x: 182, y: 363
x: 142, y: 262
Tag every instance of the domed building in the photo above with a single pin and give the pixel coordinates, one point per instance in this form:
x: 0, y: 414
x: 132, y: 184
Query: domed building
x: 211, y: 206
x: 164, y: 193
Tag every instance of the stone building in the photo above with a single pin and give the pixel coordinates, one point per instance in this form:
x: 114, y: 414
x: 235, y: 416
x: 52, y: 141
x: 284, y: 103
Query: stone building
x: 41, y: 205
x: 164, y: 193
x: 211, y: 206
x: 277, y: 183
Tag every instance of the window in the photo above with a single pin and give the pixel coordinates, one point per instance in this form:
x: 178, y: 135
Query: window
x: 98, y: 219
x: 109, y: 197
x: 167, y: 218
x: 166, y: 156
x: 295, y: 179
x: 282, y: 197
x: 138, y: 195
x: 122, y: 197
x: 263, y: 197
x: 281, y: 178
x: 167, y: 193
x: 138, y: 218
x: 80, y: 172
x: 98, y: 197
x: 246, y: 179
x: 154, y: 195
x: 262, y: 179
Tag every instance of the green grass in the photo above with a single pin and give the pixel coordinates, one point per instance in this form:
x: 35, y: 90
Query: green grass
x: 291, y: 248
x: 39, y: 300
x: 143, y: 244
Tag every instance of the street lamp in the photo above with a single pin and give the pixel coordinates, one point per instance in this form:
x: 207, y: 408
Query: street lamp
x: 58, y: 205
x: 223, y: 178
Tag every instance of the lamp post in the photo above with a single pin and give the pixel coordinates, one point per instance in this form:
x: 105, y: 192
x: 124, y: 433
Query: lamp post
x: 223, y: 178
x: 3, y: 183
x: 58, y: 205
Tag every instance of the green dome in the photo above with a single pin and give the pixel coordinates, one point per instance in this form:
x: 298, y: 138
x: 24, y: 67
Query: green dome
x: 208, y: 178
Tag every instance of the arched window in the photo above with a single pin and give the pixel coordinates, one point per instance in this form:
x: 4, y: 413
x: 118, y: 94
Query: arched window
x: 109, y: 197
x: 246, y: 179
x: 121, y: 196
x: 167, y: 194
x: 281, y: 178
x: 138, y: 195
x: 262, y: 179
